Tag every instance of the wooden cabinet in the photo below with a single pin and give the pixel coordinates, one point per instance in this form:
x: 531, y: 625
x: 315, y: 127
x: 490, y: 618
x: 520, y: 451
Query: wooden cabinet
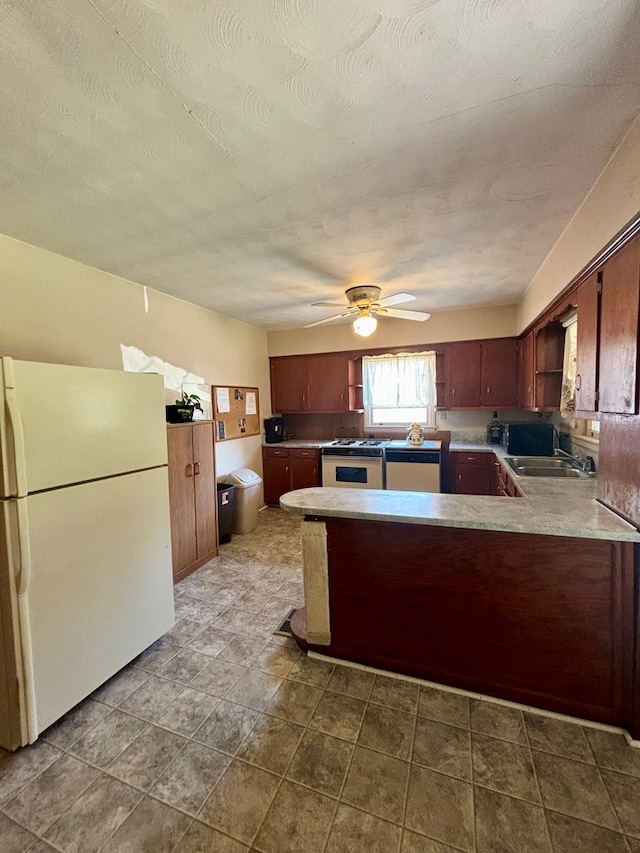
x: 314, y: 383
x: 503, y: 484
x: 472, y: 473
x: 287, y: 468
x: 481, y: 374
x: 526, y: 372
x: 549, y: 358
x: 619, y: 323
x: 587, y: 349
x: 192, y: 496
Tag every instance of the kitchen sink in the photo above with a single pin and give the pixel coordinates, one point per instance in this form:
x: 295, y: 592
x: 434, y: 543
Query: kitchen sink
x: 547, y: 466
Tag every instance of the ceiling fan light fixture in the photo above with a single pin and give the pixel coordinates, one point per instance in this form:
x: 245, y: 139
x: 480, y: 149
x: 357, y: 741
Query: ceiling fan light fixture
x: 365, y: 325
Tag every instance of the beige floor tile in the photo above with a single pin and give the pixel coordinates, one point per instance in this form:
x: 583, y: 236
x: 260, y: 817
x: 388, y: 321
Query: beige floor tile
x: 76, y: 723
x: 212, y: 641
x: 613, y: 752
x: 498, y: 721
x: 377, y: 783
x: 634, y: 844
x: 395, y: 693
x: 321, y: 762
x: 261, y: 626
x: 184, y: 666
x: 298, y: 820
x: 50, y: 794
x: 276, y: 659
x: 339, y: 715
x: 155, y: 657
x: 254, y: 689
x: 94, y: 816
x: 189, y: 779
x: 507, y: 825
x: 243, y: 649
x: 444, y: 707
x: 388, y: 730
x: 143, y: 761
x: 550, y: 735
x: 311, y: 671
x: 295, y: 701
x: 227, y: 726
x: 201, y: 838
x: 149, y: 700
x: 123, y: 683
x: 184, y: 632
x: 109, y: 738
x: 355, y: 830
x: 625, y: 795
x: 412, y: 842
x: 19, y: 768
x: 505, y: 767
x: 444, y: 748
x: 187, y: 712
x: 240, y: 801
x: 575, y: 789
x: 569, y: 835
x: 151, y: 826
x: 351, y: 682
x: 233, y: 619
x: 440, y: 807
x: 271, y: 744
x: 218, y: 677
x: 13, y: 838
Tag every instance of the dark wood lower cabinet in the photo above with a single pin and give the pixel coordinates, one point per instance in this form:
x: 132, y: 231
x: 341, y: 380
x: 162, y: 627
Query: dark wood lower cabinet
x: 472, y: 473
x: 543, y: 620
x: 288, y: 468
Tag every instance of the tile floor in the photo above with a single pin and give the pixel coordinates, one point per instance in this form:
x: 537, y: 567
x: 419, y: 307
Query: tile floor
x: 223, y: 738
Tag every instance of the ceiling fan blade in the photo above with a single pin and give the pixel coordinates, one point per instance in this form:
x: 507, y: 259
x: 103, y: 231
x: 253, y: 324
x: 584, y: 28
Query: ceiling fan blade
x: 348, y: 313
x: 329, y: 305
x: 404, y: 315
x: 396, y: 299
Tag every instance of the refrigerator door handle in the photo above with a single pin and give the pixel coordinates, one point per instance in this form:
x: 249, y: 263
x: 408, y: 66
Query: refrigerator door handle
x: 23, y: 577
x: 17, y: 431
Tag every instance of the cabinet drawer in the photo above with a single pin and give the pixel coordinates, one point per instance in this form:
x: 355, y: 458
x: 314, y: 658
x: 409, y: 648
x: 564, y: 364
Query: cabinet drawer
x: 461, y: 457
x: 304, y: 453
x: 270, y: 452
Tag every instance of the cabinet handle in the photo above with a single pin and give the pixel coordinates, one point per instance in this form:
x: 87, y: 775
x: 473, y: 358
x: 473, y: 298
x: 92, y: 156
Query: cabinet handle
x: 578, y: 382
x: 189, y: 471
x: 453, y: 392
x: 488, y: 390
x: 459, y: 478
x: 286, y: 470
x: 196, y: 468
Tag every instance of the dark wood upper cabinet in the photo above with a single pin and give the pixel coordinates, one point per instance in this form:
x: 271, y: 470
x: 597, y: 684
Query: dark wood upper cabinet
x: 587, y: 349
x: 527, y: 372
x: 481, y: 374
x: 289, y: 384
x: 620, y: 313
x: 499, y: 373
x: 328, y: 383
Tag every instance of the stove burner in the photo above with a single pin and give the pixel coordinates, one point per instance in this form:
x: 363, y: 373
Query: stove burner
x: 358, y: 442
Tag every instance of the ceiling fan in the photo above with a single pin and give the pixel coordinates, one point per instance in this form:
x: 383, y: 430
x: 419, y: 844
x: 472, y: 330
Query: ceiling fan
x: 365, y: 304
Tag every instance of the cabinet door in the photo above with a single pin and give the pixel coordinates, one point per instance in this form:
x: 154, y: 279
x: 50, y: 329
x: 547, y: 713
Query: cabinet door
x: 462, y: 375
x: 205, y: 489
x: 499, y: 373
x: 181, y: 497
x: 619, y: 331
x: 527, y: 372
x: 289, y: 384
x: 587, y: 349
x: 304, y: 469
x: 472, y: 473
x: 327, y: 376
x: 277, y: 477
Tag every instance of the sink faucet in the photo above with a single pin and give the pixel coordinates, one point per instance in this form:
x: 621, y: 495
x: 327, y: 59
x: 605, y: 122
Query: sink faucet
x: 587, y: 463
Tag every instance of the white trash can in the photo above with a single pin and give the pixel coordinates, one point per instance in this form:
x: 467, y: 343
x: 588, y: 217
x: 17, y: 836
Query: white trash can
x: 247, y: 499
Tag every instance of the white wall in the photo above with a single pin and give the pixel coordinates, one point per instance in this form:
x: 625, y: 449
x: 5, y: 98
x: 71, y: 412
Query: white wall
x: 611, y: 203
x: 53, y: 309
x: 464, y: 324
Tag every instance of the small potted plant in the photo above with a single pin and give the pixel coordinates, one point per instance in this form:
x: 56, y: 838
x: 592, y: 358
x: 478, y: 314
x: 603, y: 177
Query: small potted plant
x: 183, y: 409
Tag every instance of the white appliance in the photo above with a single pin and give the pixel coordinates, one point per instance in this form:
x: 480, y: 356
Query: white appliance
x: 413, y: 469
x: 350, y: 463
x: 85, y: 546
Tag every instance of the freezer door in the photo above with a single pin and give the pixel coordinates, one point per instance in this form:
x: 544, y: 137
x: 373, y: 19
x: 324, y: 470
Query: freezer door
x: 99, y: 589
x: 61, y: 425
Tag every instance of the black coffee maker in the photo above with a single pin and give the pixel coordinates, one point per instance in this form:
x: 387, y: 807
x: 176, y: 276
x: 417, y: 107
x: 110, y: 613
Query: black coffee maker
x: 274, y: 429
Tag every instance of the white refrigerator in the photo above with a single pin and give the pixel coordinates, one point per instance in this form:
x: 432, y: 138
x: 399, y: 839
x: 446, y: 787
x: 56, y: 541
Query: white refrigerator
x: 85, y: 545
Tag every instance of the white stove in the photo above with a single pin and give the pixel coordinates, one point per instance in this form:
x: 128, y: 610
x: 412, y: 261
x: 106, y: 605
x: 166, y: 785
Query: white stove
x: 354, y: 463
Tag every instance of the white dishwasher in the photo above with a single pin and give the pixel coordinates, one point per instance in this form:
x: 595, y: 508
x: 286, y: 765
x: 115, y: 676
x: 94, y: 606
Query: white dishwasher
x: 411, y: 468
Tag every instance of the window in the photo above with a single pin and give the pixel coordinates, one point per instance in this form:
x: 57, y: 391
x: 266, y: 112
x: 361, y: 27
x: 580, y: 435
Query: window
x: 400, y: 389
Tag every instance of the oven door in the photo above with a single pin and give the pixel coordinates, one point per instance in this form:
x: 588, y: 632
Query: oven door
x: 352, y: 472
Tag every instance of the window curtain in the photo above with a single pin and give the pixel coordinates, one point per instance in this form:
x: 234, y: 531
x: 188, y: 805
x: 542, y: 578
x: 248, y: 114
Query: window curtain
x: 395, y: 381
x: 568, y: 394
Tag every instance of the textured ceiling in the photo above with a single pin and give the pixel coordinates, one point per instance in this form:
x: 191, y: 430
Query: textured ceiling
x: 254, y: 156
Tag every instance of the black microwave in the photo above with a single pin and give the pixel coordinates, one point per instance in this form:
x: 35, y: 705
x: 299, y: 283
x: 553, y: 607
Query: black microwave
x: 531, y: 438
